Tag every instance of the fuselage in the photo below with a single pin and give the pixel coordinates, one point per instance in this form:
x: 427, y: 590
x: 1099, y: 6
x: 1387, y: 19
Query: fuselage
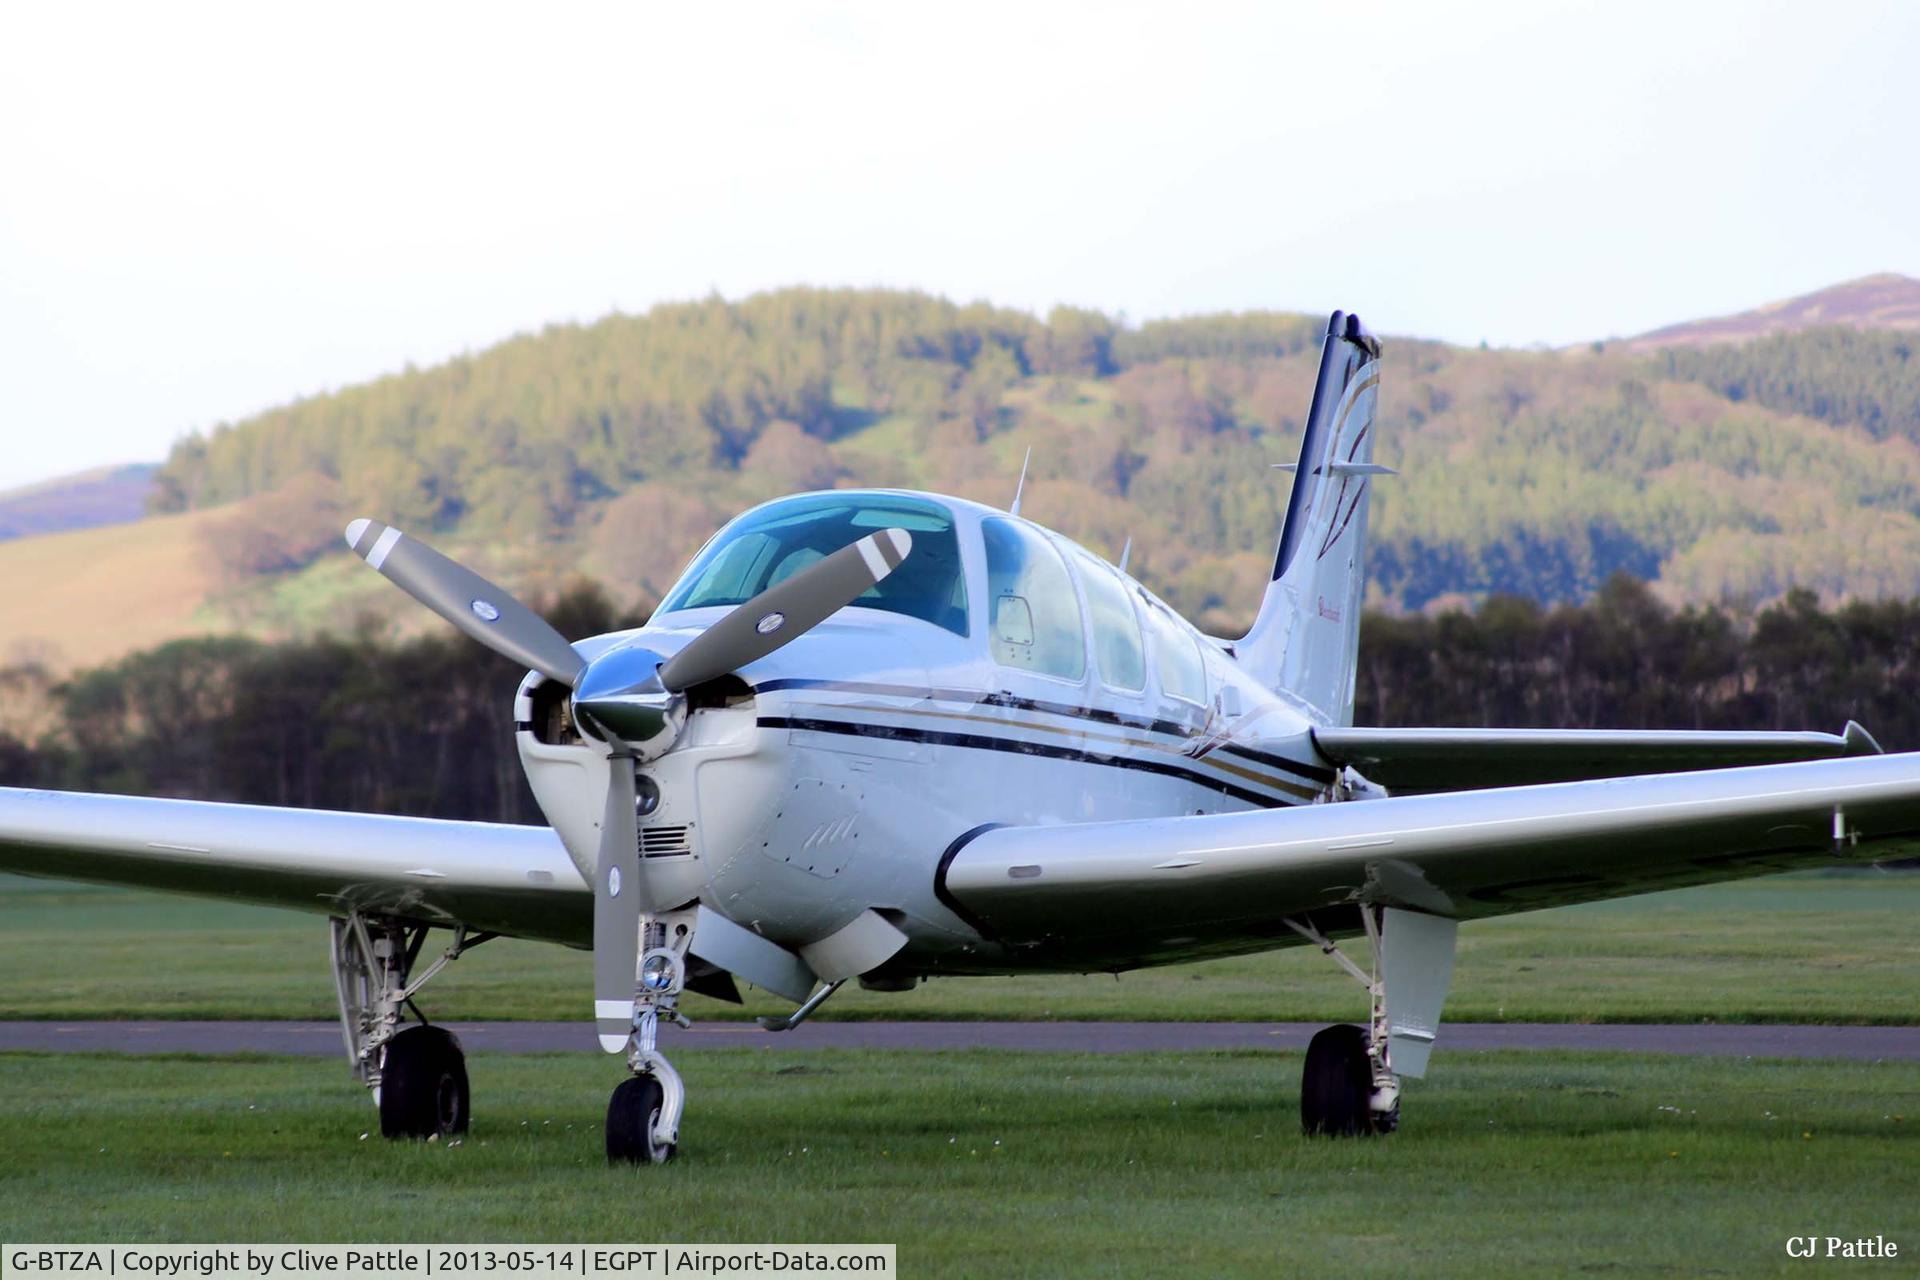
x: 1019, y: 680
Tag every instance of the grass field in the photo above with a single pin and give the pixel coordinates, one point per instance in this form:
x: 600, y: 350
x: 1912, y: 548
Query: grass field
x: 1808, y: 948
x: 1001, y: 1164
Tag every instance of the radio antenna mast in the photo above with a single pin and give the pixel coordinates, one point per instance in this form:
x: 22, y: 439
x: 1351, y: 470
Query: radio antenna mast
x: 1020, y: 488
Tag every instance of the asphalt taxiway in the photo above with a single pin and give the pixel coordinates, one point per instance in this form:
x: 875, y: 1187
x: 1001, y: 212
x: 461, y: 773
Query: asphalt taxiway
x: 1711, y: 1039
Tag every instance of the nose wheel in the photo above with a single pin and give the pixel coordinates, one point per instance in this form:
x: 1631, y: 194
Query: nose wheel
x: 643, y: 1116
x: 633, y: 1123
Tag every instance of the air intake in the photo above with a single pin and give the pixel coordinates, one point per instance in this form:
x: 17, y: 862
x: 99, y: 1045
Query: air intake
x: 664, y: 842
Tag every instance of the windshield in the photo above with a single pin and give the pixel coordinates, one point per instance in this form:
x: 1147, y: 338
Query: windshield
x: 766, y: 547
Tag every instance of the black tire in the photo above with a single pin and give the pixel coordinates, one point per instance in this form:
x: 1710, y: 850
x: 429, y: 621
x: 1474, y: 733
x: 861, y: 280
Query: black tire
x: 423, y: 1085
x: 1336, y: 1085
x: 631, y: 1111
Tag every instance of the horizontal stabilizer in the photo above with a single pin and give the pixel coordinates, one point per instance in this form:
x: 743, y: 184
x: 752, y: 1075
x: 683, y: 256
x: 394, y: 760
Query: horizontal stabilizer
x: 1420, y: 760
x: 1342, y: 468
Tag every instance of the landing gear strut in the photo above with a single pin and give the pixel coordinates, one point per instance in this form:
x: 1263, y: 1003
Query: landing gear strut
x: 1349, y: 1087
x: 643, y: 1116
x: 418, y: 1074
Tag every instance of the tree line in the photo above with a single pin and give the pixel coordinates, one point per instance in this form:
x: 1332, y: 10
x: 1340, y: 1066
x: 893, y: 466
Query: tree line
x: 424, y: 725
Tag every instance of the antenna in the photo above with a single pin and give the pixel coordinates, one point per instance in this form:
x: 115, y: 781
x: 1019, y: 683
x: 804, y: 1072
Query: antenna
x: 1125, y: 553
x: 1014, y: 510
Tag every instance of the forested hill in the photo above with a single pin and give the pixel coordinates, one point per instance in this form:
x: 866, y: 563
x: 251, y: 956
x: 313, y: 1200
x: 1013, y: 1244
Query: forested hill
x: 612, y: 449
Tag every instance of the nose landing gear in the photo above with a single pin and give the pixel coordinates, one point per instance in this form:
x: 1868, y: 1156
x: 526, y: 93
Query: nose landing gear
x: 643, y: 1116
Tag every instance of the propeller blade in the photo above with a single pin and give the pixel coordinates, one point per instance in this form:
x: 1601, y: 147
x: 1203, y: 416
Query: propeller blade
x: 466, y: 599
x: 616, y: 912
x: 790, y: 609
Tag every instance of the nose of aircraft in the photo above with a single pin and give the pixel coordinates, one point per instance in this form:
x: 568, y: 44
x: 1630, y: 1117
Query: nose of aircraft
x: 619, y: 698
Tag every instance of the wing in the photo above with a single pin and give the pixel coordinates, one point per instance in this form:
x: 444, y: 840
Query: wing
x: 1416, y: 760
x: 1117, y: 894
x: 500, y: 879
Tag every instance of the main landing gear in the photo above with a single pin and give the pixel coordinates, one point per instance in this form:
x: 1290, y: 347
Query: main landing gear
x: 643, y: 1116
x: 1350, y: 1086
x: 417, y: 1073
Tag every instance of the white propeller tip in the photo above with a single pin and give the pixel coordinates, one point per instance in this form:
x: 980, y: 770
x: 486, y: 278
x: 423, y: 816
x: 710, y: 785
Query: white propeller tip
x: 614, y: 1044
x: 356, y: 531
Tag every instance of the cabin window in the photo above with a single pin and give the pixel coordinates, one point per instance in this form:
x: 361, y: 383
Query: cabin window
x: 1116, y: 631
x: 767, y: 546
x: 1034, y: 622
x: 1176, y: 657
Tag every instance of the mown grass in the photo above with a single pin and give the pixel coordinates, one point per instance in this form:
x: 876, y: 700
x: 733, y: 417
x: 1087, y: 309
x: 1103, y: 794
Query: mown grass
x: 1807, y: 948
x: 1001, y: 1164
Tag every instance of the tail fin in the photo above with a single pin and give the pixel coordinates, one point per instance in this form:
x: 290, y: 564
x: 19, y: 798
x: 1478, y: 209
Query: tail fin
x: 1307, y: 635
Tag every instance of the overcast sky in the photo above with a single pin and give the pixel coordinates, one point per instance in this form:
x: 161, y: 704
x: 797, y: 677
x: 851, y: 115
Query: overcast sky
x: 207, y: 212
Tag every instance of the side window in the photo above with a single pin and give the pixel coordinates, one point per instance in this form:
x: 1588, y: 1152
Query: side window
x: 1116, y: 631
x: 1176, y: 659
x: 1034, y: 623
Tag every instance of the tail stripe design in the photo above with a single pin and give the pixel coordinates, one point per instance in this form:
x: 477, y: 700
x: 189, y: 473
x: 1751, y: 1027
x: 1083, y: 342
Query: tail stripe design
x: 1357, y: 483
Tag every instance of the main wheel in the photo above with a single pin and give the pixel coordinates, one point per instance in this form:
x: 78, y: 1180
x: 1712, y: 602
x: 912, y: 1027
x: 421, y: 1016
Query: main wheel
x: 423, y: 1085
x: 1336, y: 1085
x: 631, y: 1115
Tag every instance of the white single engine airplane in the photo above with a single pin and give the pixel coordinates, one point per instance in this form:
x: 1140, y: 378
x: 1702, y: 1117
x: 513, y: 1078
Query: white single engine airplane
x: 893, y: 736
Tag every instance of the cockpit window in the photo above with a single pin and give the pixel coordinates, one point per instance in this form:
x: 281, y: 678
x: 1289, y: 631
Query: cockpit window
x: 766, y: 547
x: 1034, y: 620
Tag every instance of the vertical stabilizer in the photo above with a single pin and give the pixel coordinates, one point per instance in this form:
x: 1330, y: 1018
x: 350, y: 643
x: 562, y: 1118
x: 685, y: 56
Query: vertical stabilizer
x: 1307, y: 635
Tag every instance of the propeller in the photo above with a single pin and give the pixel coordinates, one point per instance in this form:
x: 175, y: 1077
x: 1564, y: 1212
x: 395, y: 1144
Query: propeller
x: 467, y: 600
x: 617, y: 894
x: 628, y: 697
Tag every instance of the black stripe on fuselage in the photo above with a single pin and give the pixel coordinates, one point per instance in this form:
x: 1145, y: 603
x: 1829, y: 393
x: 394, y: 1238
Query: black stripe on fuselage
x: 1018, y: 746
x: 1311, y: 773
